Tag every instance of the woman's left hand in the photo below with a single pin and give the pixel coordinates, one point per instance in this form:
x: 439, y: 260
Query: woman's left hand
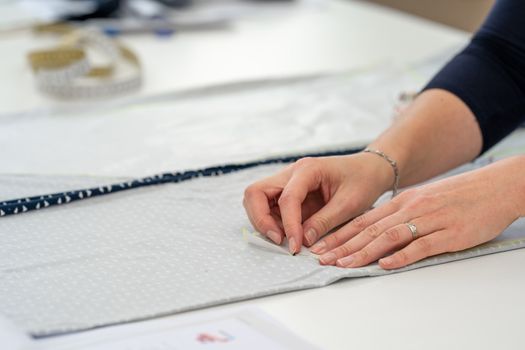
x: 450, y: 215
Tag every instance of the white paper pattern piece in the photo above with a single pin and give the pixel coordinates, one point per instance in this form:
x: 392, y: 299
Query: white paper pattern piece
x: 246, y: 328
x: 260, y: 241
x: 11, y: 337
x: 152, y: 252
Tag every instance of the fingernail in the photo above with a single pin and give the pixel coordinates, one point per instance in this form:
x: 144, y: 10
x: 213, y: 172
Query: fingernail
x: 292, y: 246
x: 311, y: 236
x: 328, y: 258
x: 274, y: 236
x: 319, y: 247
x: 346, y: 261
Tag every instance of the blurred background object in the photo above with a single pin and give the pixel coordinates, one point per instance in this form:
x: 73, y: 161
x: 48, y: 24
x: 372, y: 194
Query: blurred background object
x: 67, y: 71
x: 225, y: 41
x: 462, y: 14
x: 18, y: 14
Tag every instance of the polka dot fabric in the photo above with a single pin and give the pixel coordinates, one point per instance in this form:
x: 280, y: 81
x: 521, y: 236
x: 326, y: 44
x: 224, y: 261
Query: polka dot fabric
x: 145, y: 253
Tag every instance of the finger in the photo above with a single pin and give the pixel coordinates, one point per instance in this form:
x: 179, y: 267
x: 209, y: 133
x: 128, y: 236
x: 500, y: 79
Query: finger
x: 429, y: 245
x: 311, y: 205
x: 256, y: 203
x: 355, y: 226
x: 392, y: 239
x: 372, y: 232
x: 338, y: 210
x: 303, y: 181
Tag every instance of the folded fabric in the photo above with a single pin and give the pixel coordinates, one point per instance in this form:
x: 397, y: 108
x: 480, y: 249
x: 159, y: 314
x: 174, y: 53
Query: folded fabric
x: 150, y: 252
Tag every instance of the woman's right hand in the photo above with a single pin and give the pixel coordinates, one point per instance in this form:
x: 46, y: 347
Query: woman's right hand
x: 312, y: 196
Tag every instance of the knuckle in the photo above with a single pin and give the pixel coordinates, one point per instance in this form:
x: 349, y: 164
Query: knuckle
x: 422, y: 201
x: 424, y: 245
x: 393, y: 234
x: 331, y: 240
x: 344, y: 250
x: 373, y: 231
x: 360, y: 222
x: 395, y: 203
x: 285, y: 198
x: 322, y: 224
x: 439, y: 197
x: 405, y: 195
x: 401, y: 257
x: 411, y: 192
x: 250, y: 191
x: 305, y: 162
x: 334, y: 240
x: 414, y: 205
x: 310, y: 166
x: 425, y: 200
x: 364, y: 255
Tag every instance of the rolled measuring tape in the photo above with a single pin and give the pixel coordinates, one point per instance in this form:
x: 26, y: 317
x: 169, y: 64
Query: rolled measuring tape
x: 66, y: 71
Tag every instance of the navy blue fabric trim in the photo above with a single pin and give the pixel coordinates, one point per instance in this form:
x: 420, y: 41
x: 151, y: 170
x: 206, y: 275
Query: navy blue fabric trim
x: 23, y: 205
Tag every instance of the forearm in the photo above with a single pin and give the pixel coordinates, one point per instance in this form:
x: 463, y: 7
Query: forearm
x: 436, y: 133
x: 484, y: 103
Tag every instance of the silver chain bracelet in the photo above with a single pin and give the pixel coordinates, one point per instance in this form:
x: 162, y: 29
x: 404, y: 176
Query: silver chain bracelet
x: 392, y: 163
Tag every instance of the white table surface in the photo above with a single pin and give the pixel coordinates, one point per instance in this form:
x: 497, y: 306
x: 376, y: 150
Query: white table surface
x: 340, y: 36
x: 467, y: 304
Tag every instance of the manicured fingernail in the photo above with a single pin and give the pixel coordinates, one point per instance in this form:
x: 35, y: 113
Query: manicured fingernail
x: 274, y: 236
x: 346, y: 261
x: 319, y: 247
x: 311, y: 236
x: 292, y: 245
x: 328, y: 258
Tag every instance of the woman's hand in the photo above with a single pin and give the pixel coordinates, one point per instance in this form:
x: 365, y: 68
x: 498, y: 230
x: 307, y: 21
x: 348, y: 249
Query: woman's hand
x: 314, y: 195
x: 450, y: 215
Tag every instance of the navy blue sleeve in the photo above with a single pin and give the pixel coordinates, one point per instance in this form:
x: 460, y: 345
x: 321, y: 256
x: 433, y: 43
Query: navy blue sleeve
x: 489, y: 74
